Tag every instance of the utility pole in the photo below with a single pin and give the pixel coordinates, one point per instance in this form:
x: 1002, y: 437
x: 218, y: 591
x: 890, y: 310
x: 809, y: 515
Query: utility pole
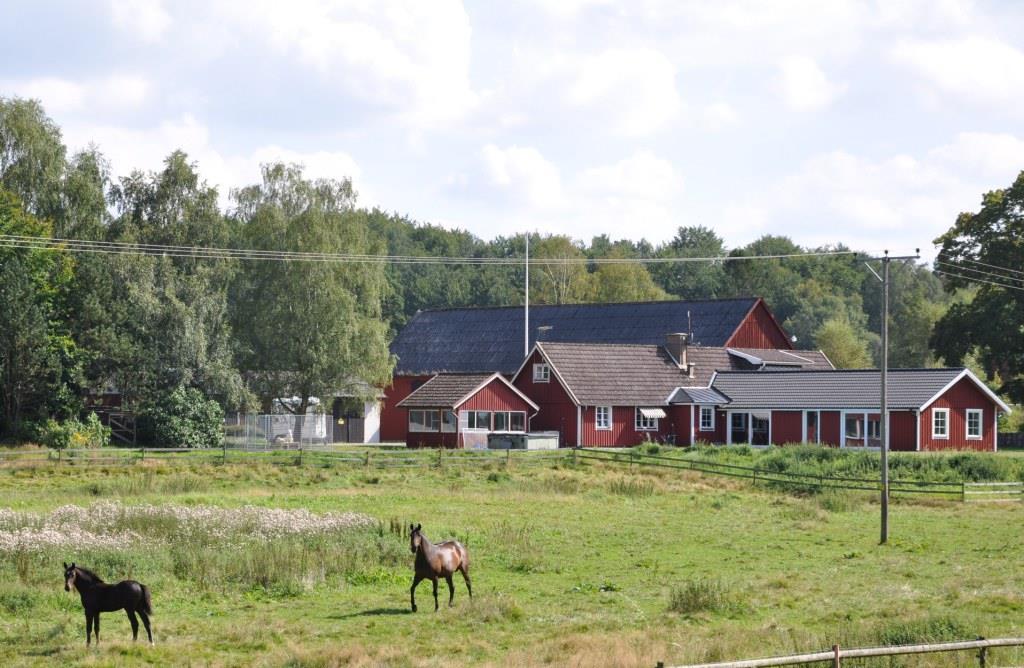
x: 526, y: 302
x: 883, y: 413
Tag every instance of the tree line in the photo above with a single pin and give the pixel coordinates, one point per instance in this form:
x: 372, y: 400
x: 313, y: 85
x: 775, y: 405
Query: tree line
x: 185, y: 335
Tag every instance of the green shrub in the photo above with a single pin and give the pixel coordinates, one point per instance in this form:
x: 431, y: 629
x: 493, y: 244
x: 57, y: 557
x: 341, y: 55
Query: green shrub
x: 183, y: 418
x: 701, y: 595
x: 74, y: 433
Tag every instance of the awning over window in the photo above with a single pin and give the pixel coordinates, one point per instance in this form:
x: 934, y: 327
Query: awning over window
x: 652, y: 413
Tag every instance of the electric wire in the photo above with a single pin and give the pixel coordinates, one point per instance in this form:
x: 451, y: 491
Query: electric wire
x: 979, y: 271
x: 219, y: 253
x: 945, y: 272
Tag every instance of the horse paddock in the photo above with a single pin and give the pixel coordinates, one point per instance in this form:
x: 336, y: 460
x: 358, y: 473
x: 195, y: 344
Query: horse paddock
x: 587, y: 565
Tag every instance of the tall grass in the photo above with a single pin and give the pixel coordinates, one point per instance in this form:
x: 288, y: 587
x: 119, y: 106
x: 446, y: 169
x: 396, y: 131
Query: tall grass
x: 705, y: 595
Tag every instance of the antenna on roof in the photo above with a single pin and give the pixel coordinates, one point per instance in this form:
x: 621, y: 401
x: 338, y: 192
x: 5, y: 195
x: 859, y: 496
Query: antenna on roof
x: 689, y: 327
x: 526, y: 302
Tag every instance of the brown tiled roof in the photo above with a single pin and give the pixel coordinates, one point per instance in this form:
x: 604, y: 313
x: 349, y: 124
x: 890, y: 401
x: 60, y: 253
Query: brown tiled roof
x: 635, y: 375
x: 443, y: 391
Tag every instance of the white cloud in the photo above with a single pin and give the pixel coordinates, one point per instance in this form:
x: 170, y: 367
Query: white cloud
x: 972, y: 69
x: 145, y: 149
x: 409, y: 57
x: 718, y: 116
x: 635, y: 87
x: 146, y: 19
x: 804, y: 86
x: 642, y: 176
x: 523, y: 174
x: 63, y: 96
x: 998, y: 157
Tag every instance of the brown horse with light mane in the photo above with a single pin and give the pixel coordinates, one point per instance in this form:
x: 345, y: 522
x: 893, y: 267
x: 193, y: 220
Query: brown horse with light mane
x: 437, y: 561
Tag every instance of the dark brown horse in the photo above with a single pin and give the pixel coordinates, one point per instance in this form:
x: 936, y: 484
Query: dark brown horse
x: 437, y: 561
x: 98, y: 596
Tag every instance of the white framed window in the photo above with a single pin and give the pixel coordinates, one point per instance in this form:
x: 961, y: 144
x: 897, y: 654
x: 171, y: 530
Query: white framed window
x: 974, y: 422
x: 940, y: 423
x: 603, y: 417
x: 509, y: 421
x: 424, y: 421
x: 449, y: 422
x: 707, y: 418
x: 478, y: 420
x: 645, y: 423
x: 541, y: 373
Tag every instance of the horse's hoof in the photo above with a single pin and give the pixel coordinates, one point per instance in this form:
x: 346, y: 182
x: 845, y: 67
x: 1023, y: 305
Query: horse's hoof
x: 414, y: 608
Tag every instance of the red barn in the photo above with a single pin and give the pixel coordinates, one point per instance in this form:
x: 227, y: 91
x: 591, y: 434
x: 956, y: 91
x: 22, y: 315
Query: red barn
x: 491, y: 340
x: 597, y: 394
x: 459, y: 411
x: 929, y: 409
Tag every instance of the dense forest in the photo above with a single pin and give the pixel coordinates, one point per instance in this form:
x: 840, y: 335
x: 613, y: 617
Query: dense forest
x: 191, y: 334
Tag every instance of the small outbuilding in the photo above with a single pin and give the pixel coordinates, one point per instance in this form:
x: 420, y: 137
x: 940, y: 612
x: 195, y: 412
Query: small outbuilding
x: 460, y: 410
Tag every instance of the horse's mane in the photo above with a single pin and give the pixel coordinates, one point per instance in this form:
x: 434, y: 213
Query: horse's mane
x: 90, y: 574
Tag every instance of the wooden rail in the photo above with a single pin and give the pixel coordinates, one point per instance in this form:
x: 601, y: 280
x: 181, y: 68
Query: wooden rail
x: 837, y: 654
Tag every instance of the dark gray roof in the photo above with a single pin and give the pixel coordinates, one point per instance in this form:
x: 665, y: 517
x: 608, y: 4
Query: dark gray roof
x: 698, y: 395
x: 601, y: 374
x: 782, y: 358
x: 908, y: 388
x: 471, y: 340
x: 443, y: 391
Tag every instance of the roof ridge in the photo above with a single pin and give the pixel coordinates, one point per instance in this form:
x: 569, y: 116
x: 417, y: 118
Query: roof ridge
x: 533, y: 306
x: 835, y: 371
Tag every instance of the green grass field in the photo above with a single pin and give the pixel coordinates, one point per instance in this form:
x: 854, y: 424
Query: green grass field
x: 588, y: 566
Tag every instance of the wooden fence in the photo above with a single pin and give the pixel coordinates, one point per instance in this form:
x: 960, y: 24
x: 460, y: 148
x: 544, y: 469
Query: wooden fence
x: 836, y: 655
x: 787, y: 480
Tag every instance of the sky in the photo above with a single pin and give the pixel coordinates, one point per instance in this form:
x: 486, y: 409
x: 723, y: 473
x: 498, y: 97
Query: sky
x: 871, y: 124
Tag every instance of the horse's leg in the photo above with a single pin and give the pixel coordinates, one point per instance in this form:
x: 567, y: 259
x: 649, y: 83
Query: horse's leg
x: 134, y: 622
x: 465, y: 576
x: 451, y: 590
x: 88, y: 629
x: 412, y: 591
x: 145, y: 622
x: 96, y: 627
x: 436, y: 606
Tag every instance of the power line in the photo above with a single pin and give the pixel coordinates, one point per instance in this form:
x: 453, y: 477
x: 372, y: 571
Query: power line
x: 993, y: 266
x: 200, y: 252
x: 979, y: 271
x: 978, y: 280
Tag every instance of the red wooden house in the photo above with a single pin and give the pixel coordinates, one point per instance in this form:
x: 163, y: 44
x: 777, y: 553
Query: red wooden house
x: 490, y: 340
x: 460, y: 410
x: 929, y: 409
x: 597, y: 394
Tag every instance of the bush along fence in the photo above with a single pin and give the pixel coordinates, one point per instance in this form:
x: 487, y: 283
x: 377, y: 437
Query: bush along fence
x: 403, y: 458
x: 835, y: 656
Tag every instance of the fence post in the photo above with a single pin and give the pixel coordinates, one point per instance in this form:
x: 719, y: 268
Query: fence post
x: 224, y: 452
x: 299, y: 461
x: 835, y: 656
x: 367, y: 459
x: 508, y: 457
x: 575, y: 456
x: 982, y: 654
x: 440, y: 454
x: 963, y: 491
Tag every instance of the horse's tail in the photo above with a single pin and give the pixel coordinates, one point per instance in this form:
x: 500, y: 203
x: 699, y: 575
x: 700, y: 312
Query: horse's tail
x: 146, y: 605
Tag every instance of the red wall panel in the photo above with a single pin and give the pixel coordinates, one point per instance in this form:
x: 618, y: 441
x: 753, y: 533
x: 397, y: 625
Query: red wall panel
x: 557, y: 411
x: 394, y: 421
x: 674, y: 426
x: 787, y: 427
x: 496, y: 396
x: 958, y: 399
x: 902, y: 431
x: 759, y: 330
x: 830, y: 428
x: 432, y: 440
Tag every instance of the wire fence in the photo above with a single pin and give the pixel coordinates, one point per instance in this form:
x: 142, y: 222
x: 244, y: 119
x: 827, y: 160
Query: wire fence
x: 323, y: 454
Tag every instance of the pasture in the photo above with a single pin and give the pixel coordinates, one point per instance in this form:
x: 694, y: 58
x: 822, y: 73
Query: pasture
x: 271, y: 565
